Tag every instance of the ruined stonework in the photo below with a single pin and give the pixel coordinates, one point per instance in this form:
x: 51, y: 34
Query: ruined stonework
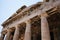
x: 40, y: 21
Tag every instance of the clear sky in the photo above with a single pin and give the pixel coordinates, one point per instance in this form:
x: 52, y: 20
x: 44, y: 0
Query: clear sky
x: 8, y: 7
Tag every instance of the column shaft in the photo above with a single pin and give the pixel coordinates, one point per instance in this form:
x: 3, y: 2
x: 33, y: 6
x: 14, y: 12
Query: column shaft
x: 2, y: 36
x: 27, y: 31
x: 16, y: 34
x: 8, y: 35
x: 45, y: 35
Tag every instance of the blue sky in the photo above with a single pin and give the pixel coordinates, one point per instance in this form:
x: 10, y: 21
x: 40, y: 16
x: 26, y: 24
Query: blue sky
x: 8, y: 7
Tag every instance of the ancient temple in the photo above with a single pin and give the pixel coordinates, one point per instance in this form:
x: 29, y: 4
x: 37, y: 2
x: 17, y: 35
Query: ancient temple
x: 40, y: 21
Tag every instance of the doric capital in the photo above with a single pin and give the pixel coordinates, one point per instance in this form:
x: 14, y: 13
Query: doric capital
x: 28, y: 21
x: 44, y: 14
x: 9, y: 30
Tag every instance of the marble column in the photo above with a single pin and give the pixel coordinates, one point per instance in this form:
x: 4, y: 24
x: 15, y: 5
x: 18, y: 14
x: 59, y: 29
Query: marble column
x: 11, y: 37
x: 16, y: 34
x: 45, y: 34
x: 28, y: 31
x: 2, y: 36
x: 8, y: 35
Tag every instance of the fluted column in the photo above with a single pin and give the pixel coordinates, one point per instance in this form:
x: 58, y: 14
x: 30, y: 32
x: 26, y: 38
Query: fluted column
x: 2, y: 36
x: 45, y: 34
x: 11, y: 37
x: 16, y: 34
x: 28, y: 31
x: 8, y: 35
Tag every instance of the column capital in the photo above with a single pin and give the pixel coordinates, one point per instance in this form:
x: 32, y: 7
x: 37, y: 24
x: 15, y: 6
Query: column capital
x: 9, y: 30
x: 16, y: 34
x: 28, y: 31
x: 45, y: 34
x: 44, y: 14
x: 8, y: 34
x: 28, y: 21
x: 17, y: 26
